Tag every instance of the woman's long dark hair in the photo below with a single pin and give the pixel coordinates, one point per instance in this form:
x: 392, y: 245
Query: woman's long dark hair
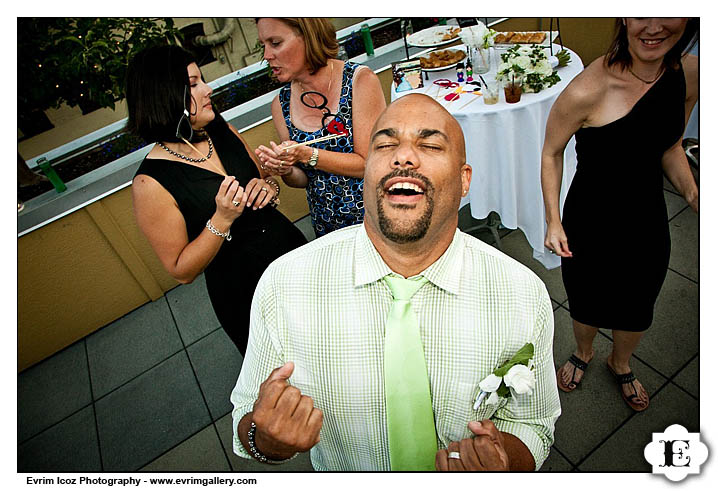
x: 618, y: 52
x: 158, y: 92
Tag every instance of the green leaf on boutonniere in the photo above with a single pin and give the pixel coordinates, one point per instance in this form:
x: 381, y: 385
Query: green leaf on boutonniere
x: 522, y: 356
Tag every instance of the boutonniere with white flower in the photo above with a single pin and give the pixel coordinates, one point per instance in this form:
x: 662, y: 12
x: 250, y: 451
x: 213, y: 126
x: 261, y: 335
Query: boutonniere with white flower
x: 516, y: 375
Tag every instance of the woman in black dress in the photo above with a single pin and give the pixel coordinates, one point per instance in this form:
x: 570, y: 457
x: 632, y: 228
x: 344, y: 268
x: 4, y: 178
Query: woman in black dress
x: 627, y: 110
x: 200, y: 196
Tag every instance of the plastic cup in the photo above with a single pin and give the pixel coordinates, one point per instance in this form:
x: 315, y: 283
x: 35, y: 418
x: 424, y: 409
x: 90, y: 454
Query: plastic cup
x: 490, y: 92
x: 513, y: 88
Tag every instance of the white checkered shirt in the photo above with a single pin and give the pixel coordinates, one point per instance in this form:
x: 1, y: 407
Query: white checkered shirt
x: 324, y: 307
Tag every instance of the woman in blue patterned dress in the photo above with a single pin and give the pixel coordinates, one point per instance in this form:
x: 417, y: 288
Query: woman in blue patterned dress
x: 322, y: 95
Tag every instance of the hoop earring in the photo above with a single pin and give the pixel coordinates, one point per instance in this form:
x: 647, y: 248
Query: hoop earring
x: 178, y: 133
x: 185, y: 117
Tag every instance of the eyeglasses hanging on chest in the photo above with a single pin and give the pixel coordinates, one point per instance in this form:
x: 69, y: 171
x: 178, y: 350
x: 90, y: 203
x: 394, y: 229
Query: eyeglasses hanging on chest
x: 334, y: 123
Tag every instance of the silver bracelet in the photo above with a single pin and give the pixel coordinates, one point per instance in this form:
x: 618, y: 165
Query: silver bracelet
x: 224, y: 235
x: 255, y: 451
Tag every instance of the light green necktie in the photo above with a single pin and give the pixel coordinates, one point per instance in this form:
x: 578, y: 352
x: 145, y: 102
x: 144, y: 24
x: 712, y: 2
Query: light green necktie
x: 410, y: 419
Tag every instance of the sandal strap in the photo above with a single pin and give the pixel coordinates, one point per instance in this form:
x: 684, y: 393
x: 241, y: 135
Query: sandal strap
x: 578, y: 363
x: 625, y: 378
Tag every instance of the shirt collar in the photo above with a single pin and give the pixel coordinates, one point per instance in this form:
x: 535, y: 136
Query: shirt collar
x: 368, y: 264
x: 445, y: 272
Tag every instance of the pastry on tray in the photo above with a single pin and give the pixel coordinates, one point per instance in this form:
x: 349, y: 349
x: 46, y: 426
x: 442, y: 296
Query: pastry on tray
x: 537, y: 37
x: 513, y: 37
x: 441, y: 58
x: 451, y: 34
x: 520, y: 37
x: 503, y: 37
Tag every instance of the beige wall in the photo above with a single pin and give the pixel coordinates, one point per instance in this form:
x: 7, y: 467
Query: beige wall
x: 80, y: 273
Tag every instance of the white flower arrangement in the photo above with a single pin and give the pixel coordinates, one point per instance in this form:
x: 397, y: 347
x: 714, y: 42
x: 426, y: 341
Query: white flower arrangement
x: 530, y: 62
x: 516, y: 376
x: 478, y: 36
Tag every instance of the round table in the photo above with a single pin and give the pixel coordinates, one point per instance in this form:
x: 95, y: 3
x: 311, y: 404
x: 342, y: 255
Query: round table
x: 503, y: 147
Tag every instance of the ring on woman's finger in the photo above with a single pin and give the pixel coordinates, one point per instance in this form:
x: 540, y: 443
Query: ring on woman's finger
x: 264, y: 189
x: 235, y: 203
x: 455, y: 455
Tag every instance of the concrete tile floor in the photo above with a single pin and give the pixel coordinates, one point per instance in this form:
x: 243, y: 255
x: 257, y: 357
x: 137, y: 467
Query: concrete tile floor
x: 149, y: 392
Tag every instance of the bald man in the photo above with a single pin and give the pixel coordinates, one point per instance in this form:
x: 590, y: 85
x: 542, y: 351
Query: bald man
x: 314, y: 378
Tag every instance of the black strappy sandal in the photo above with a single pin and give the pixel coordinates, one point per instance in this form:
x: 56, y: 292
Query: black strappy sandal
x: 577, y: 363
x: 633, y: 400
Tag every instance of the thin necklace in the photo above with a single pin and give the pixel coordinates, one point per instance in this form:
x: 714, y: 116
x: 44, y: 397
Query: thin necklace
x: 331, y: 77
x: 644, y: 80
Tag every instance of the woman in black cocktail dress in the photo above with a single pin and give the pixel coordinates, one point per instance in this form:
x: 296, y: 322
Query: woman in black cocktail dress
x: 200, y: 196
x: 627, y: 111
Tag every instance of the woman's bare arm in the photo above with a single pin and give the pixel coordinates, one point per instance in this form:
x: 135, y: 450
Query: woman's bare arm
x: 569, y: 112
x: 163, y: 224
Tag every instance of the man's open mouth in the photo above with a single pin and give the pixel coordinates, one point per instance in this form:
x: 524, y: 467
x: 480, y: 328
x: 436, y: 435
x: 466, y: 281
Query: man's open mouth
x: 404, y: 188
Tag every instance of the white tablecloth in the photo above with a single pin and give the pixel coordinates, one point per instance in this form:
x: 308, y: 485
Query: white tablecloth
x: 503, y: 147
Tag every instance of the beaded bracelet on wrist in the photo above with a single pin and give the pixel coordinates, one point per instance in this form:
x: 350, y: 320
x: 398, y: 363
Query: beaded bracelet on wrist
x: 211, y: 228
x: 273, y: 183
x: 255, y: 451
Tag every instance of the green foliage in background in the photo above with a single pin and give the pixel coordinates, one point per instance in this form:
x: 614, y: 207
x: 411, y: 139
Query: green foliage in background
x: 81, y: 61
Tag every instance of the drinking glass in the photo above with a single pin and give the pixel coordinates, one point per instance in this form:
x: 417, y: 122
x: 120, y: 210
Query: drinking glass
x: 490, y: 92
x: 513, y: 87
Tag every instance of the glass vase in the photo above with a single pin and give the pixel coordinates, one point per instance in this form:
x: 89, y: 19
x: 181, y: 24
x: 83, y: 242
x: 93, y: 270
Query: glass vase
x: 482, y: 59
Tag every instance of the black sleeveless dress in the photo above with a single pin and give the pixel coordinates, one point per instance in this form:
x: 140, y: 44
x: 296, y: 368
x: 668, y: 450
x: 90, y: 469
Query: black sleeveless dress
x: 615, y: 215
x: 258, y: 236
